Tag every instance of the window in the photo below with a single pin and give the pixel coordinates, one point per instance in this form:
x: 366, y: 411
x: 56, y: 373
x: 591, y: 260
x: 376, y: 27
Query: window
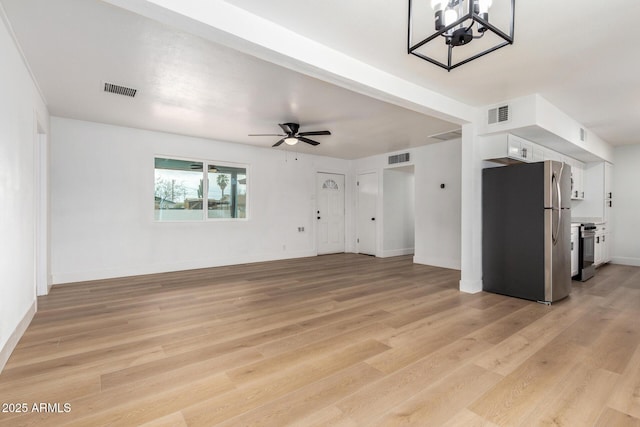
x: 182, y: 189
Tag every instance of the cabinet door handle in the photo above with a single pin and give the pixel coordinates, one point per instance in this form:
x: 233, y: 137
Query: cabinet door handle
x: 611, y: 195
x: 524, y: 153
x: 571, y: 245
x: 603, y: 239
x: 610, y: 204
x: 597, y: 239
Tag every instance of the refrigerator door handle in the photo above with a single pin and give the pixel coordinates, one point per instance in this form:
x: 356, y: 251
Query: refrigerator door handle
x: 554, y: 236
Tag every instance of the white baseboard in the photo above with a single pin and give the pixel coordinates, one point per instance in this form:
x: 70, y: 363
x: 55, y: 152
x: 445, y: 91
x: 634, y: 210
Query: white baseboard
x: 397, y: 252
x: 83, y: 276
x: 471, y: 286
x: 635, y: 262
x: 453, y: 264
x: 6, y: 351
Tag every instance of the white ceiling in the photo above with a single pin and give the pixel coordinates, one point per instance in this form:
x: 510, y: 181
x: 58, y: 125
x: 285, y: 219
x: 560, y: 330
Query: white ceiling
x: 572, y: 52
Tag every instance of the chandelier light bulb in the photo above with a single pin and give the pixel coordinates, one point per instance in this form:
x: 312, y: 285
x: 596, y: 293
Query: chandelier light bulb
x: 450, y: 16
x: 484, y: 5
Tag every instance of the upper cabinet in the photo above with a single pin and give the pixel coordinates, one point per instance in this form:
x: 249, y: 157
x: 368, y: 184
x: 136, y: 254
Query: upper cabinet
x: 577, y: 178
x: 507, y: 149
x: 598, y: 199
x: 608, y: 192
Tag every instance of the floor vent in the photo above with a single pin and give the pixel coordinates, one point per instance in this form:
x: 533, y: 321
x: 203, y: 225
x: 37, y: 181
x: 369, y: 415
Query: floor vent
x: 499, y: 115
x: 448, y: 136
x: 398, y: 158
x: 120, y: 90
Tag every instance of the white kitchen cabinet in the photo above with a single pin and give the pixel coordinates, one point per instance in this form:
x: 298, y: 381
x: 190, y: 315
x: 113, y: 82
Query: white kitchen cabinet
x: 598, y: 198
x: 577, y: 179
x: 507, y: 148
x: 608, y: 192
x: 575, y: 239
x: 602, y: 247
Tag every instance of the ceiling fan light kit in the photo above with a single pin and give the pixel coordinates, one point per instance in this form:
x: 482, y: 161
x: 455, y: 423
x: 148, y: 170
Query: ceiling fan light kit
x: 474, y: 27
x: 291, y: 135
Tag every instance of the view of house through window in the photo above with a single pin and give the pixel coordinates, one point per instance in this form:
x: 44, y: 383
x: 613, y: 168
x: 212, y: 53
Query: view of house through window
x: 182, y: 189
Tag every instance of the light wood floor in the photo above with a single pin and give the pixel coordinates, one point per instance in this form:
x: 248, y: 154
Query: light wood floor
x: 342, y: 340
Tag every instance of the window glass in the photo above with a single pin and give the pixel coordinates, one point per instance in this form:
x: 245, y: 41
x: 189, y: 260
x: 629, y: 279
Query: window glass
x: 227, y: 195
x: 182, y: 189
x: 178, y: 190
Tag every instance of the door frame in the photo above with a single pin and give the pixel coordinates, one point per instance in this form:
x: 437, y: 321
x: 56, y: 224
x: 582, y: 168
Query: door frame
x: 315, y: 207
x: 42, y: 244
x: 379, y: 219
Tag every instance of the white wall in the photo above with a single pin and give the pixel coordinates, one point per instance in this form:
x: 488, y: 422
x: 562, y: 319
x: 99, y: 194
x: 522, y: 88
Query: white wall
x: 437, y: 213
x: 438, y: 210
x: 21, y: 108
x: 102, y: 184
x: 626, y: 205
x: 398, y: 211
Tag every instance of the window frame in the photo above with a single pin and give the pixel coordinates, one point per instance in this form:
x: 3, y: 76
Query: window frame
x: 205, y: 189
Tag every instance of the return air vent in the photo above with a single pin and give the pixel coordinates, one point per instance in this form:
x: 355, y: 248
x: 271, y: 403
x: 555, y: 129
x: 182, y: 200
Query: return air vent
x: 448, y: 136
x: 120, y: 90
x: 398, y: 158
x: 499, y: 115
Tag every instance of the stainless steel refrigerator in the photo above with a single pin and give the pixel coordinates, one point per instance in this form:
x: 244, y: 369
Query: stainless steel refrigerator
x: 526, y: 230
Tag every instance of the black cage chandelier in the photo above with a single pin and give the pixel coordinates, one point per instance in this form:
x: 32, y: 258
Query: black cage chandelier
x: 463, y: 24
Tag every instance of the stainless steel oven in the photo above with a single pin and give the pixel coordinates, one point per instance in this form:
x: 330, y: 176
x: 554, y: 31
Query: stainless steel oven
x: 586, y: 251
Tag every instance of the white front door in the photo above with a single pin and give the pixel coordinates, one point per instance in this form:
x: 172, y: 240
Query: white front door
x: 330, y: 213
x: 366, y: 217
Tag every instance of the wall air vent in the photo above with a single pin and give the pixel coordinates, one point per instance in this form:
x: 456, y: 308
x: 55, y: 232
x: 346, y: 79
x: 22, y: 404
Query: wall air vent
x: 448, y: 136
x: 398, y: 158
x: 499, y: 115
x: 120, y: 90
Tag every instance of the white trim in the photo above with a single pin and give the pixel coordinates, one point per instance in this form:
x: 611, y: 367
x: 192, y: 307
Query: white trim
x: 397, y: 252
x: 471, y: 286
x: 379, y: 230
x: 635, y: 262
x: 11, y: 343
x: 42, y: 273
x: 82, y: 276
x: 205, y: 190
x: 451, y: 263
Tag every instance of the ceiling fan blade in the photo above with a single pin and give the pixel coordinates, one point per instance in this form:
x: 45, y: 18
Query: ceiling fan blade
x: 285, y: 128
x: 278, y: 143
x: 266, y: 134
x: 307, y: 140
x: 317, y: 132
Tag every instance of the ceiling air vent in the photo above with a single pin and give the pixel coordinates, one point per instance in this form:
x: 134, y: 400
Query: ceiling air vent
x: 448, y: 136
x: 583, y: 135
x: 398, y: 158
x: 499, y: 115
x: 120, y: 90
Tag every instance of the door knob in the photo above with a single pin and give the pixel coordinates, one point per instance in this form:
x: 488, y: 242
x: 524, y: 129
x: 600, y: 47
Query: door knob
x: 373, y: 219
x: 318, y: 217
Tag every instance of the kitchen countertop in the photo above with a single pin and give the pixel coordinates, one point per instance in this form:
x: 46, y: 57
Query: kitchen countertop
x: 581, y: 220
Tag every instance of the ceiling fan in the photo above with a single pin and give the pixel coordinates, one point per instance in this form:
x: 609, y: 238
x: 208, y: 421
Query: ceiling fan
x: 291, y: 135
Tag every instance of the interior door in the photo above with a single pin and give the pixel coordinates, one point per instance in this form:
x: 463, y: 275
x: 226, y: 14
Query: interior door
x: 330, y: 213
x: 366, y: 217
